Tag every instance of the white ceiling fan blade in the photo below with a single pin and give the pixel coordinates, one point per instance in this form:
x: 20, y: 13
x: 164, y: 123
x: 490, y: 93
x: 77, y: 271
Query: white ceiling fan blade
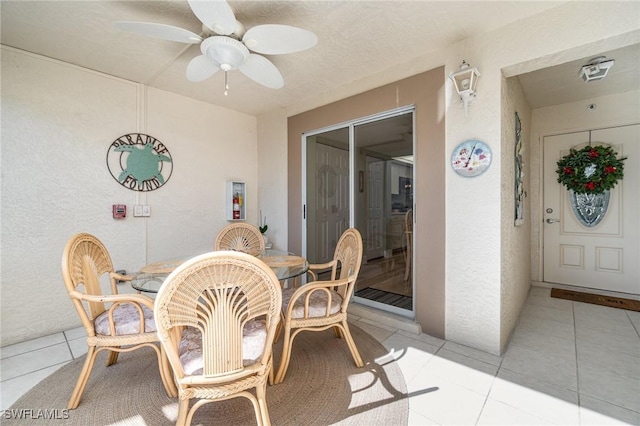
x: 216, y: 15
x: 262, y: 71
x: 200, y: 68
x: 274, y: 39
x: 162, y: 31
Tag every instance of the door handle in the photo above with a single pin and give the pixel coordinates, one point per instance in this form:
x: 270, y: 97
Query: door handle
x: 552, y: 220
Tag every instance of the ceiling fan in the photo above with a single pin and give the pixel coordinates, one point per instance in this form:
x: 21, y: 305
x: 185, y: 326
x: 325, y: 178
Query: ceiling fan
x: 226, y: 46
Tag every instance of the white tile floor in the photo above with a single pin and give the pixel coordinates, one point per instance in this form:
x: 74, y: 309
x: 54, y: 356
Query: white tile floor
x: 568, y: 363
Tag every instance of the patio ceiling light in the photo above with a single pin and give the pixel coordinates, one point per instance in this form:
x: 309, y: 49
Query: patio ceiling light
x: 596, y: 69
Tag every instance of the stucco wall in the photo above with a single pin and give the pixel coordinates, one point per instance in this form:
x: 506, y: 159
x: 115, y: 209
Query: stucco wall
x: 474, y: 206
x: 70, y: 116
x: 58, y: 122
x: 474, y: 267
x: 516, y: 240
x: 272, y: 175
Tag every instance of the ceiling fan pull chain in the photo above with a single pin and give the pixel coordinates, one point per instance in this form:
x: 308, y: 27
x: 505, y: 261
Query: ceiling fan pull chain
x: 226, y: 85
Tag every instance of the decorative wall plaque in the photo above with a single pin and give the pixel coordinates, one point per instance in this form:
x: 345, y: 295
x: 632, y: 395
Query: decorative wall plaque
x: 471, y: 158
x: 139, y: 162
x: 519, y: 174
x: 589, y: 208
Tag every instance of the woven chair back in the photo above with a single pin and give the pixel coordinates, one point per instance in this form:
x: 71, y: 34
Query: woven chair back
x: 408, y: 221
x: 241, y: 237
x: 348, y: 257
x: 218, y: 293
x: 85, y: 260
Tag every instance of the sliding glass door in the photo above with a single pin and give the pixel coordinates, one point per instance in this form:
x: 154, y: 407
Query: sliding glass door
x: 360, y: 174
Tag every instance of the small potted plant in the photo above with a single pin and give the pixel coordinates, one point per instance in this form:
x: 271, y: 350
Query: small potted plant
x: 263, y: 227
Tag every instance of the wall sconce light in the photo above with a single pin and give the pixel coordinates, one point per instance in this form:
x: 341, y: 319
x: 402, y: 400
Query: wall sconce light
x: 466, y: 80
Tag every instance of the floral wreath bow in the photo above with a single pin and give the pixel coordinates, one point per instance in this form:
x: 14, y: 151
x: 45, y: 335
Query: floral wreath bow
x: 590, y: 170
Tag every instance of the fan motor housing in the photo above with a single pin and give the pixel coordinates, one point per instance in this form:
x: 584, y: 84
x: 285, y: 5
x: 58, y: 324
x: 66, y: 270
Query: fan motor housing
x: 229, y: 53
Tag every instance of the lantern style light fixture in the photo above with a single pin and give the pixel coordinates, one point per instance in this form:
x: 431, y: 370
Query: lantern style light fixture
x: 466, y: 80
x: 596, y: 69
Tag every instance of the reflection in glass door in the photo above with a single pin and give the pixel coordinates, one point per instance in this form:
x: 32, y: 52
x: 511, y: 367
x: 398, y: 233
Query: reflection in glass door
x: 382, y: 206
x: 327, y: 200
x: 361, y: 175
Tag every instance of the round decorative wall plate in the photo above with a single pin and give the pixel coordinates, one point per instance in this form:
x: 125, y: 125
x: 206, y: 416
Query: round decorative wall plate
x: 471, y: 158
x: 139, y: 162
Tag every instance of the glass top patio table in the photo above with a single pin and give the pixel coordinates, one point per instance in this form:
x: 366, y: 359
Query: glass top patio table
x: 284, y: 264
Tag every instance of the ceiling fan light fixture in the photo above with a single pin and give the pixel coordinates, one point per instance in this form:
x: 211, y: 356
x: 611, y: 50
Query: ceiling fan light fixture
x: 596, y: 69
x: 229, y: 53
x: 226, y: 45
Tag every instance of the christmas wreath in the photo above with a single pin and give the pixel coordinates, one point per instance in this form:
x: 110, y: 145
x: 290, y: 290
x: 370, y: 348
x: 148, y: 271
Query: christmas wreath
x: 590, y: 170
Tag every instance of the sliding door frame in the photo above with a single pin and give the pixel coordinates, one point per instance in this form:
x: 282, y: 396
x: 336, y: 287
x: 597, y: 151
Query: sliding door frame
x: 351, y: 125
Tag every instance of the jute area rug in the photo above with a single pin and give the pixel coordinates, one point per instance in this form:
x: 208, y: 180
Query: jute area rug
x: 322, y: 387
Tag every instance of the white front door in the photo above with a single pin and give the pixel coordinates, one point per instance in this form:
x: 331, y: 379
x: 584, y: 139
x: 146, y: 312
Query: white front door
x: 607, y: 255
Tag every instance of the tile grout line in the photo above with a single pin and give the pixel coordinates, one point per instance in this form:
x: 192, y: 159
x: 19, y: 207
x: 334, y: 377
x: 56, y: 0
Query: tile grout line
x: 33, y: 350
x: 35, y: 371
x: 495, y: 377
x: 66, y: 339
x: 486, y: 398
x: 575, y: 334
x: 633, y: 324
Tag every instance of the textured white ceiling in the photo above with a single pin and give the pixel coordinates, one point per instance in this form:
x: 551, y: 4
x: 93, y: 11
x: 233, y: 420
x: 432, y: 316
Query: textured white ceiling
x: 356, y: 39
x: 562, y: 83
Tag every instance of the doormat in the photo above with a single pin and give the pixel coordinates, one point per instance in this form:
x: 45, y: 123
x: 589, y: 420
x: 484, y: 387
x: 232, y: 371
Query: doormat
x: 381, y: 296
x: 597, y: 299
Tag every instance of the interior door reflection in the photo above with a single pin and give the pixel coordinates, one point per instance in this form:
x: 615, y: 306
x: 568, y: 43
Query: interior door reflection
x: 384, y: 152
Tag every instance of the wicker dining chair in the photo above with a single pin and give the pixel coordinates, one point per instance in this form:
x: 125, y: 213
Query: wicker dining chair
x: 217, y: 316
x: 240, y: 237
x: 319, y: 305
x: 408, y: 248
x: 114, y: 322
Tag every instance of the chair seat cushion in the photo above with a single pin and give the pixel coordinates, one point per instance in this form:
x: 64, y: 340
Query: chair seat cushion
x: 317, y: 303
x: 254, y: 336
x: 126, y: 319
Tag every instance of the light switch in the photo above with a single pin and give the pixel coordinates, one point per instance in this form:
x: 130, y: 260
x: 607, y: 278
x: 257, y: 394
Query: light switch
x: 146, y: 210
x: 137, y: 211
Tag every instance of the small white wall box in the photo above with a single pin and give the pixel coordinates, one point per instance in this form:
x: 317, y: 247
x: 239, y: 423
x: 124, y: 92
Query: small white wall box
x: 236, y: 200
